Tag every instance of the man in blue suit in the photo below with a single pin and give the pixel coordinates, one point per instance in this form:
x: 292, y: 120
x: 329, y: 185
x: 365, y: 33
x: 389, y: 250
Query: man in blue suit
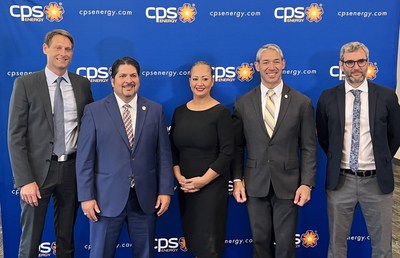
x: 358, y: 126
x: 124, y: 167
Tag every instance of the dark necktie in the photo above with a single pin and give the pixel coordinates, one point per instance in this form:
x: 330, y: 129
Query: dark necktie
x: 355, y: 131
x: 59, y: 130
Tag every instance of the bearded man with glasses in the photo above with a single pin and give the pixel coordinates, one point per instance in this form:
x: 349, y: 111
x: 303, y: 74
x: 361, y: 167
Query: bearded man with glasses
x: 358, y: 128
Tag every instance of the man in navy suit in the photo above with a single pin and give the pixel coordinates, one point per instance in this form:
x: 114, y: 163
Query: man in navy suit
x: 124, y: 165
x: 358, y: 126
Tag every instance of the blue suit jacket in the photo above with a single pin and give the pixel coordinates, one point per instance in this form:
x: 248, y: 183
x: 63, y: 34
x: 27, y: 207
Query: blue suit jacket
x: 384, y: 123
x: 105, y: 161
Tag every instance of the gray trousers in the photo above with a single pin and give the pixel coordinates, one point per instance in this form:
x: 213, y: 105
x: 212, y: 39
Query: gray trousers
x: 376, y: 208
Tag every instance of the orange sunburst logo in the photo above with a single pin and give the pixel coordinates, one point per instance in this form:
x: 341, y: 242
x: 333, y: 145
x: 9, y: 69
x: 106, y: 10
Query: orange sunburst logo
x: 54, y: 247
x: 182, y: 243
x: 187, y: 13
x: 245, y: 72
x: 314, y: 13
x: 54, y: 12
x: 372, y: 71
x: 309, y: 238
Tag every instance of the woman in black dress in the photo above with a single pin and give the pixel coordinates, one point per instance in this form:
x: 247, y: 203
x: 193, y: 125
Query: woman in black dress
x: 202, y: 147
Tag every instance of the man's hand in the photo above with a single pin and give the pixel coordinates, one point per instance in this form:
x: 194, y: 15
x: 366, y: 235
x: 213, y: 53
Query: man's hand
x: 239, y: 191
x: 303, y: 195
x: 90, y: 208
x: 162, y: 203
x: 30, y: 194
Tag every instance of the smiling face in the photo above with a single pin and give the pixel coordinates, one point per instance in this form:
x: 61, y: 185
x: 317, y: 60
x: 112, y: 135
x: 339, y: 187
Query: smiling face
x: 126, y: 82
x: 59, y: 54
x: 354, y: 75
x: 201, y: 80
x: 270, y: 66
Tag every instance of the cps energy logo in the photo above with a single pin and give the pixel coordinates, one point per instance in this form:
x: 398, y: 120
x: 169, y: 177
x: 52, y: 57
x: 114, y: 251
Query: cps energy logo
x: 52, y: 12
x: 47, y: 249
x: 309, y: 239
x: 186, y: 13
x: 244, y: 72
x: 170, y: 245
x: 312, y: 13
x: 372, y: 71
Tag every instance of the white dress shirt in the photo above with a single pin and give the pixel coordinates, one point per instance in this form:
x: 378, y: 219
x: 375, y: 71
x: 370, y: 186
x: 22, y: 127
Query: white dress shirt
x: 132, y: 108
x: 366, y: 160
x: 70, y: 109
x: 276, y: 98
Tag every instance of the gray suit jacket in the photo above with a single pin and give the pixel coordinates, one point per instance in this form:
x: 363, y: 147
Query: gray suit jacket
x: 287, y: 159
x: 30, y: 125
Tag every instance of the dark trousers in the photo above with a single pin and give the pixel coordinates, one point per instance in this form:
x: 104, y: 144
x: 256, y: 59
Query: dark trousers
x: 104, y: 233
x: 272, y: 220
x: 61, y: 185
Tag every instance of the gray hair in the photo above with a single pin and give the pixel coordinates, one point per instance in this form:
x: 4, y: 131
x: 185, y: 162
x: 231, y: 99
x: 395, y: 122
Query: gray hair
x: 352, y: 47
x: 269, y: 46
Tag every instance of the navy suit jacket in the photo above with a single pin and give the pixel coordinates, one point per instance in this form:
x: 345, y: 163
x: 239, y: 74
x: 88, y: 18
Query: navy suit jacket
x: 105, y: 160
x: 384, y: 123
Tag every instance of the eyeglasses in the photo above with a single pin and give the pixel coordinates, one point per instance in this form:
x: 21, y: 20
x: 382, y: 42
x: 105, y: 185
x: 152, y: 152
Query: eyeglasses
x: 351, y: 63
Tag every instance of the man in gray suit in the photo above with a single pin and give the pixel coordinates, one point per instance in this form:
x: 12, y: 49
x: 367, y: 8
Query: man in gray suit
x: 37, y: 171
x: 275, y: 122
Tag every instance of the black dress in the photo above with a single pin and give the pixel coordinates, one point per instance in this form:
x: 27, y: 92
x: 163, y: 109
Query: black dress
x: 202, y: 140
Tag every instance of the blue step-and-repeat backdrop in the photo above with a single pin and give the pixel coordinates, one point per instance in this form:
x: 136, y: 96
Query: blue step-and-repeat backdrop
x: 166, y: 37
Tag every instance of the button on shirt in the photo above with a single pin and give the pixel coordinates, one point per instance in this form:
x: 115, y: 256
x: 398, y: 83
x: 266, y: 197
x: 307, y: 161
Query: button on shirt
x: 132, y: 109
x: 70, y: 109
x: 276, y: 98
x: 366, y: 159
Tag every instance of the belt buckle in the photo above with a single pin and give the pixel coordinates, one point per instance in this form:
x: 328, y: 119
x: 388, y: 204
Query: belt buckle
x: 367, y: 173
x: 62, y: 158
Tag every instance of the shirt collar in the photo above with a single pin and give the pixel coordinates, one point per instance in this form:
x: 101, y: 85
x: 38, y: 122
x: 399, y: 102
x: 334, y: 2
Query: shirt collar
x: 363, y: 87
x: 278, y: 89
x: 121, y: 103
x: 52, y: 77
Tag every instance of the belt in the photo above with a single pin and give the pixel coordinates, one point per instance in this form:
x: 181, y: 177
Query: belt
x: 360, y: 173
x: 64, y: 157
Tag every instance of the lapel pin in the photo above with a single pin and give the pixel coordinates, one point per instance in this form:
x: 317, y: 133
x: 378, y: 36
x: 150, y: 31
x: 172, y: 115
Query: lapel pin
x: 286, y: 96
x: 143, y: 108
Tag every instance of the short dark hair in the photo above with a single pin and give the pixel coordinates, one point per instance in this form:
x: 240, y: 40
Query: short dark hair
x: 125, y: 60
x: 50, y: 35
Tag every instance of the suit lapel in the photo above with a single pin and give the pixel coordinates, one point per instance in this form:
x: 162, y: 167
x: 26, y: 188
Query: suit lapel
x: 43, y: 89
x: 340, y: 96
x: 257, y: 105
x: 115, y: 115
x: 285, y: 101
x: 372, y: 100
x: 77, y: 95
x: 141, y: 113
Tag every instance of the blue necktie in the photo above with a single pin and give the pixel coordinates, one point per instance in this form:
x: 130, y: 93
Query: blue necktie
x: 355, y: 131
x: 59, y: 130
